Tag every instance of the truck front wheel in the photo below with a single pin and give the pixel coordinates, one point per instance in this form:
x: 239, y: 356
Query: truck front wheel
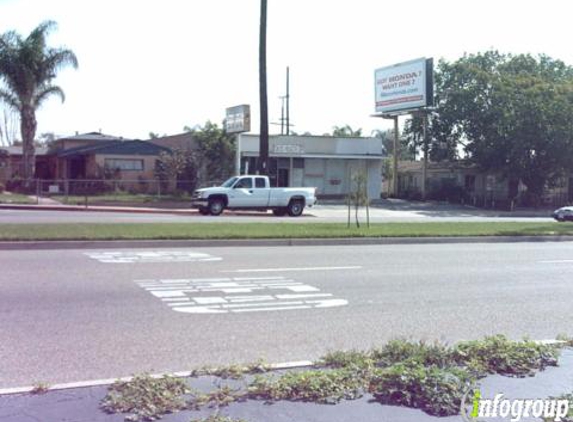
x: 295, y: 207
x: 216, y: 206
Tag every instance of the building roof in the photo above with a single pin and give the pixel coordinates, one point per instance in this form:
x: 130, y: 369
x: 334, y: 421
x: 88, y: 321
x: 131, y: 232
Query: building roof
x: 91, y: 136
x: 135, y: 147
x: 183, y: 141
x: 317, y: 146
x: 17, y: 150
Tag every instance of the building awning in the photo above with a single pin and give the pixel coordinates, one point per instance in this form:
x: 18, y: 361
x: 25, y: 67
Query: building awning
x: 337, y: 157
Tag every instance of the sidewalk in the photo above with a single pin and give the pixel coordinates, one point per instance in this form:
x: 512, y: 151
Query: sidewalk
x: 82, y: 404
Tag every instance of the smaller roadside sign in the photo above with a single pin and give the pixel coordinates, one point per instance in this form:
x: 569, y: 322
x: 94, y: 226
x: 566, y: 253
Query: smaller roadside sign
x: 238, y: 119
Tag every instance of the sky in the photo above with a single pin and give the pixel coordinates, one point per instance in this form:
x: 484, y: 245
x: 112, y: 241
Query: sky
x: 157, y: 66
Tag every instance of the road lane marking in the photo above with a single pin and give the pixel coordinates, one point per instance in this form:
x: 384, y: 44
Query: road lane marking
x: 196, y: 296
x: 130, y: 257
x: 268, y: 270
x: 558, y: 261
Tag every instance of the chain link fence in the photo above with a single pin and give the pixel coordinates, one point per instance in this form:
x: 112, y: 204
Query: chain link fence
x: 94, y: 191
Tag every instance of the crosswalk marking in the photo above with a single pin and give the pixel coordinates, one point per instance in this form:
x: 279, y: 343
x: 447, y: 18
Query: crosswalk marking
x: 235, y: 295
x: 131, y: 257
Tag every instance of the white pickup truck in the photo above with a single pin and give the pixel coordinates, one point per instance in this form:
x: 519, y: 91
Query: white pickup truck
x: 253, y: 193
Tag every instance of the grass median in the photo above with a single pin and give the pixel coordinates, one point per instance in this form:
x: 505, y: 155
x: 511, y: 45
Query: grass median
x: 102, y: 231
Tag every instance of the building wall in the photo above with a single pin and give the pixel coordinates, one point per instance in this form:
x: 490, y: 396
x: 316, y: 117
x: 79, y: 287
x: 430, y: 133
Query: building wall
x: 328, y: 162
x: 148, y: 172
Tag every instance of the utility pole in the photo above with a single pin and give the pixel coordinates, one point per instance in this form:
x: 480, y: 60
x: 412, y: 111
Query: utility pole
x: 287, y: 102
x: 264, y: 132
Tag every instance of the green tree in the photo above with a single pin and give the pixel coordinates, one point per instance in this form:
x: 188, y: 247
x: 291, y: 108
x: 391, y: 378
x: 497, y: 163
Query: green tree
x: 510, y: 114
x: 179, y: 166
x: 387, y: 139
x: 216, y: 151
x: 345, y: 131
x: 27, y: 69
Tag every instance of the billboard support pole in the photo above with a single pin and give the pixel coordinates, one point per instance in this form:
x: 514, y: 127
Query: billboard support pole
x: 425, y: 150
x: 396, y: 153
x: 238, y: 155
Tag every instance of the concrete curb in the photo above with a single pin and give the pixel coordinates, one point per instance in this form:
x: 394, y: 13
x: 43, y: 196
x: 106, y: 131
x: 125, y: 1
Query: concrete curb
x: 109, y: 381
x: 199, y: 243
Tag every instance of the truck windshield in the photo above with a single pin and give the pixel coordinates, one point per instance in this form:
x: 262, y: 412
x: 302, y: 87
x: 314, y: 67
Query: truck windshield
x: 230, y: 182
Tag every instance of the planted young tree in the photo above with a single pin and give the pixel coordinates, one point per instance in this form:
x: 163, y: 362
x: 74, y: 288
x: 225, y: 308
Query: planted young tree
x: 358, y: 197
x: 27, y: 68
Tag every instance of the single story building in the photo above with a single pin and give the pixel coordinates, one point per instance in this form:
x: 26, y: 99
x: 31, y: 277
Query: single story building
x: 465, y: 182
x: 88, y: 157
x: 325, y: 162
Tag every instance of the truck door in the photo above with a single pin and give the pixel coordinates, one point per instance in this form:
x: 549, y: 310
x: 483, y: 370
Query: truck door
x: 250, y: 195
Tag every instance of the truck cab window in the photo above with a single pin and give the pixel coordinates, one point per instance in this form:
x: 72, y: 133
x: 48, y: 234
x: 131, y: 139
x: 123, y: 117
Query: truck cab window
x: 260, y: 182
x: 245, y: 183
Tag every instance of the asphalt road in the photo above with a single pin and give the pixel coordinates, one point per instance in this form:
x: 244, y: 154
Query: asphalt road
x: 82, y: 314
x: 422, y: 212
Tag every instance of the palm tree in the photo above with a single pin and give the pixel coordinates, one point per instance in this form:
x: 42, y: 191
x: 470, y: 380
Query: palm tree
x: 27, y: 68
x: 346, y: 131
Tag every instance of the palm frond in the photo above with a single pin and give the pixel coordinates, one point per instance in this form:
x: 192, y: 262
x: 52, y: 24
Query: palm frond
x: 45, y: 92
x: 10, y: 99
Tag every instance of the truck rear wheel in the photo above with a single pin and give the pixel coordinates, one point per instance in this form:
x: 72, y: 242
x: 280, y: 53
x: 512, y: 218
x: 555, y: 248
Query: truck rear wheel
x: 295, y: 207
x: 216, y: 206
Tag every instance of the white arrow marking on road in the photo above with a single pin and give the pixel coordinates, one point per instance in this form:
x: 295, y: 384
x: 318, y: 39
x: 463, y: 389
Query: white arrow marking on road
x: 265, y: 270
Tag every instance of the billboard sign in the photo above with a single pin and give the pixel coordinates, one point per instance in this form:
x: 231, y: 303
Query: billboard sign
x: 238, y: 119
x: 404, y: 86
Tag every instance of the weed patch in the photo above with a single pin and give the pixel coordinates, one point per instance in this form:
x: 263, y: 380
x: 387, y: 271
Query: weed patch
x: 314, y: 386
x: 397, y: 351
x: 498, y: 355
x: 146, y: 398
x: 40, y: 388
x: 222, y: 396
x: 218, y: 418
x: 437, y: 391
x: 432, y: 377
x: 569, y: 416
